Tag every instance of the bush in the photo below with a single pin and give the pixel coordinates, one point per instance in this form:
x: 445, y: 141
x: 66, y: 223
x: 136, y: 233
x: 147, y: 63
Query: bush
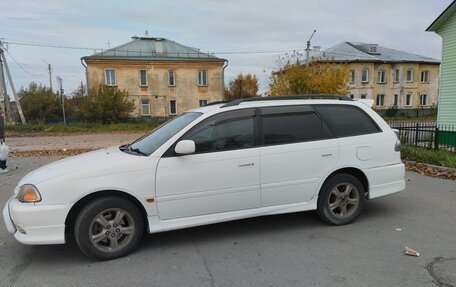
x: 106, y: 105
x: 39, y: 103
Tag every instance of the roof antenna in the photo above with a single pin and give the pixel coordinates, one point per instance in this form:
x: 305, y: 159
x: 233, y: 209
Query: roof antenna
x: 146, y: 33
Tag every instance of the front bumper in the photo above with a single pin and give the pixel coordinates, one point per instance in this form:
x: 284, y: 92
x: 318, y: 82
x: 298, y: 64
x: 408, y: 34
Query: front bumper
x: 7, y: 218
x: 43, y: 224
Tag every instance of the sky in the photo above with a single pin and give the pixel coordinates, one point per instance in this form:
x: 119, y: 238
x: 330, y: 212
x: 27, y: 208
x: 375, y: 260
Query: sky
x: 262, y: 30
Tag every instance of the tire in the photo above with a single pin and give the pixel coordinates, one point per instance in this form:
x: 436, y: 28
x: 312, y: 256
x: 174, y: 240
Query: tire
x: 108, y: 228
x: 337, y: 205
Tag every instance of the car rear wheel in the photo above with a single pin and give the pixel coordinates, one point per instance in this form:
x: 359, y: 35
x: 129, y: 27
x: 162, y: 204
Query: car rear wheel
x: 108, y: 228
x: 341, y: 199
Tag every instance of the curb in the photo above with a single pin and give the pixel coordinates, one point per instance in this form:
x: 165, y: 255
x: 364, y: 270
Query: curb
x: 443, y: 168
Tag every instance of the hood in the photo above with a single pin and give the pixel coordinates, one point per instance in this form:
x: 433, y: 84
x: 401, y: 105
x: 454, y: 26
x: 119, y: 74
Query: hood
x: 96, y: 163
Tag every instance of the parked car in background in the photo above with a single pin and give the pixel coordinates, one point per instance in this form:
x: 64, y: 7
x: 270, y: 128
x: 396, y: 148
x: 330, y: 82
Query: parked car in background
x: 226, y: 161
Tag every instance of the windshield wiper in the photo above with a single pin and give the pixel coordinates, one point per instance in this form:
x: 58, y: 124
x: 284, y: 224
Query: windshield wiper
x: 124, y: 147
x: 136, y: 150
x: 128, y: 148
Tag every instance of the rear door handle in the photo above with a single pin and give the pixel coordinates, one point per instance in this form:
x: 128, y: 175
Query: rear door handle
x: 246, y: 164
x: 326, y: 155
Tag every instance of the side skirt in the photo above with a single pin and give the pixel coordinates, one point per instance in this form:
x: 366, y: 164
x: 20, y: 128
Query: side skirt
x: 156, y: 225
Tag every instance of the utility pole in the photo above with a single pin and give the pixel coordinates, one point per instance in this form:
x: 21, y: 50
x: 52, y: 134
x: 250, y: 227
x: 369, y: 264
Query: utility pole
x: 308, y: 46
x: 4, y: 95
x: 50, y: 76
x: 13, y: 89
x: 62, y: 97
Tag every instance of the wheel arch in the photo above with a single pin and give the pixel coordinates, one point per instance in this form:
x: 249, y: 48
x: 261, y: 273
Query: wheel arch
x: 356, y: 172
x: 76, y: 208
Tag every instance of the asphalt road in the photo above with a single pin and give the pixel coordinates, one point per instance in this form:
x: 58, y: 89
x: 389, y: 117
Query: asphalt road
x: 283, y: 250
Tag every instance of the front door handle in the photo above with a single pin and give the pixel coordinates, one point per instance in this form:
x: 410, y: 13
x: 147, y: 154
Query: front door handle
x: 246, y: 164
x: 326, y: 155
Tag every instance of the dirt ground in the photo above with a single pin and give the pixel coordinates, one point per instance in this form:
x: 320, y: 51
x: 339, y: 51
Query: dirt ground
x: 69, y: 142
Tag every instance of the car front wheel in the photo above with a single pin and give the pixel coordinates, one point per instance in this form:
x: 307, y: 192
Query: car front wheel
x: 108, y: 228
x: 341, y: 199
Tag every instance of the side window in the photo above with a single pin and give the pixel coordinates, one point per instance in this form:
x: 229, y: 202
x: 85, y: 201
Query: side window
x: 284, y: 127
x: 347, y: 120
x: 222, y: 132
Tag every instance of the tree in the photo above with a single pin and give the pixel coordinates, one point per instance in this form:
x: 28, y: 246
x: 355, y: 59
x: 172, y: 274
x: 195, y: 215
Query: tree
x: 106, y: 105
x: 319, y: 76
x: 74, y: 104
x: 39, y: 103
x: 242, y: 87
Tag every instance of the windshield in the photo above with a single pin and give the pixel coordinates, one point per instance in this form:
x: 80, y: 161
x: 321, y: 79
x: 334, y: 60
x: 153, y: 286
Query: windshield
x: 152, y: 141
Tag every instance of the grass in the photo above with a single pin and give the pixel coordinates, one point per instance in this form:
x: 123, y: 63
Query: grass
x: 429, y: 118
x: 60, y: 128
x: 430, y: 156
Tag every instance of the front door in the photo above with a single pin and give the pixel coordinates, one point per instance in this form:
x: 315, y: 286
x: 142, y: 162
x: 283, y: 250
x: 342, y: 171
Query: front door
x: 222, y: 175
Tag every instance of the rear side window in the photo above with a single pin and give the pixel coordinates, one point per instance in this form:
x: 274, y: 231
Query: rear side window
x: 347, y: 120
x: 222, y: 132
x: 283, y: 127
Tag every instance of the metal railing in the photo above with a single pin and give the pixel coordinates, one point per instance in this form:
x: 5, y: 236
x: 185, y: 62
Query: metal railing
x: 426, y: 134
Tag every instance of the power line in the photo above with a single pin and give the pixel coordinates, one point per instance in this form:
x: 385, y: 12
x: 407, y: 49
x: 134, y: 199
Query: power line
x: 286, y: 50
x: 20, y: 65
x: 137, y: 51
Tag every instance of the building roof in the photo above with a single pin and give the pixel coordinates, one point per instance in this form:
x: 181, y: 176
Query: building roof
x: 362, y: 52
x: 149, y: 48
x: 449, y: 11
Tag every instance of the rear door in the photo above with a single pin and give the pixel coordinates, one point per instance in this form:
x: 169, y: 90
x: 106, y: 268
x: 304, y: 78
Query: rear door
x: 297, y: 151
x: 222, y: 175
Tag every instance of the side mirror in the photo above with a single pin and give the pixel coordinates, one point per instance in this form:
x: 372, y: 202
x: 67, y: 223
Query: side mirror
x: 185, y: 147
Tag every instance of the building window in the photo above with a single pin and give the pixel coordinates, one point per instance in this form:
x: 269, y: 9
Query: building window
x: 380, y: 100
x: 396, y: 76
x: 172, y: 107
x: 352, y: 77
x: 423, y: 100
x: 110, y: 77
x: 408, y: 99
x: 171, y: 78
x: 365, y: 76
x: 352, y: 96
x: 425, y: 77
x: 202, y: 78
x: 143, y: 78
x: 202, y: 103
x: 409, y: 75
x: 363, y: 96
x: 381, y: 77
x: 396, y: 100
x: 145, y: 108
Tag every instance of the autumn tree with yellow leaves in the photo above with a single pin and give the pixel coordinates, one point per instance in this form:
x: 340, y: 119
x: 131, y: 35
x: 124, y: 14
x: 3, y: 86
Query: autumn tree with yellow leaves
x: 319, y: 76
x: 242, y: 87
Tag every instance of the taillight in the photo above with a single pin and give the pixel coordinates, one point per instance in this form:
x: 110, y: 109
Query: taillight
x: 397, y: 146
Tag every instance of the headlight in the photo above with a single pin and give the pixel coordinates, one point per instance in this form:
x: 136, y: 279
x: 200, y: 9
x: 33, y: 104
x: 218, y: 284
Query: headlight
x: 28, y: 193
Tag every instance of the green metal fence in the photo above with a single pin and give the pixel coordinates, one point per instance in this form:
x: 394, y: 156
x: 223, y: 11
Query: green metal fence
x: 426, y: 134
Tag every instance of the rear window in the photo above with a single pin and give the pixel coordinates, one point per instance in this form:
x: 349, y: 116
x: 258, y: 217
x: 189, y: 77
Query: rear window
x: 347, y: 120
x: 283, y: 125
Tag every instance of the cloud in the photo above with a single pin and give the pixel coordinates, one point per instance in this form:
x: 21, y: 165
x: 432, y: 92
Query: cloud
x: 212, y: 26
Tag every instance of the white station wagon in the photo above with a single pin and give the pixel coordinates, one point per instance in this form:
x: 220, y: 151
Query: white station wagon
x: 221, y: 162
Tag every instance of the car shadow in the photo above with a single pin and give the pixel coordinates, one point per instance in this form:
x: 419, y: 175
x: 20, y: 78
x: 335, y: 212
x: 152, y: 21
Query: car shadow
x: 234, y: 231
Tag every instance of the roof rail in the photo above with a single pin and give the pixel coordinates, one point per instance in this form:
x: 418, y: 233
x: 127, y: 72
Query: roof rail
x: 217, y: 103
x: 293, y: 97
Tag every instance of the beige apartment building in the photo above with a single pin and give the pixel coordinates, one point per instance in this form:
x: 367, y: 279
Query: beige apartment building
x: 163, y: 78
x: 392, y: 78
